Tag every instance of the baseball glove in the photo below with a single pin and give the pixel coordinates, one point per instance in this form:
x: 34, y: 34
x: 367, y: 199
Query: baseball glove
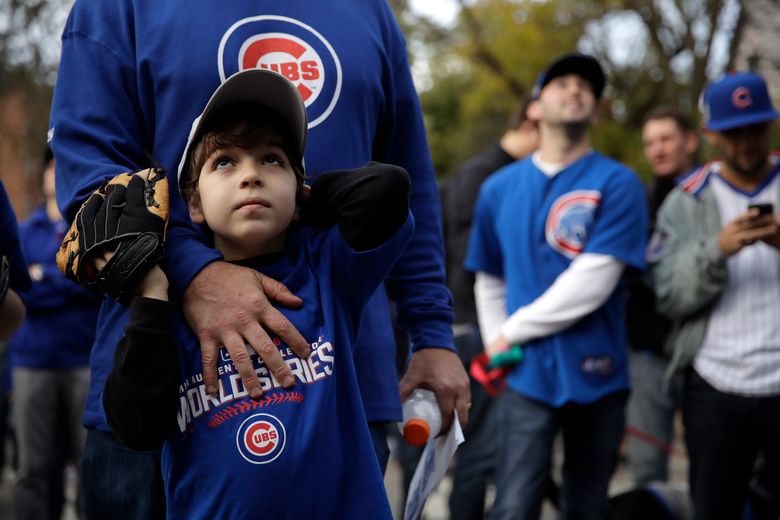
x: 5, y: 277
x: 127, y: 215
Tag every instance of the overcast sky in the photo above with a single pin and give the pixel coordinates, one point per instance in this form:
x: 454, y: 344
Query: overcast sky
x: 443, y: 11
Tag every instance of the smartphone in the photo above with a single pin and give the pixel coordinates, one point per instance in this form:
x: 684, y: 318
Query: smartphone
x: 764, y: 208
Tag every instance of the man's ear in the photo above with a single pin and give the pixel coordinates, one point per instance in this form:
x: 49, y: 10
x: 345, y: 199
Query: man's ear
x: 534, y: 111
x: 195, y: 209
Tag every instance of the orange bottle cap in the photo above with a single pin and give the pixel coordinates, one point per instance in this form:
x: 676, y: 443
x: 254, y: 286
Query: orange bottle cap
x: 417, y: 431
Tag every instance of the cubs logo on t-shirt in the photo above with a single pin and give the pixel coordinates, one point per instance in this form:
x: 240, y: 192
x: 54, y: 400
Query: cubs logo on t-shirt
x: 569, y: 220
x: 261, y: 438
x: 291, y: 48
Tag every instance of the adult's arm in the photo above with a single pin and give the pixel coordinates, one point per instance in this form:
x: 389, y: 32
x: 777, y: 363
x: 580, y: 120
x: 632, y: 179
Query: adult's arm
x: 687, y: 266
x: 103, y: 123
x: 416, y: 283
x: 490, y: 299
x: 368, y: 204
x: 579, y: 290
x: 140, y: 397
x: 11, y: 314
x: 12, y: 306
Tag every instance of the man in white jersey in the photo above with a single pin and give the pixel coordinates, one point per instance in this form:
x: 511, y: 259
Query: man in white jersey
x: 716, y: 270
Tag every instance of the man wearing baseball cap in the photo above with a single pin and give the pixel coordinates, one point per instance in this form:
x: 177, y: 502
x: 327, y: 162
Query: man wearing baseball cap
x: 552, y: 238
x: 716, y: 270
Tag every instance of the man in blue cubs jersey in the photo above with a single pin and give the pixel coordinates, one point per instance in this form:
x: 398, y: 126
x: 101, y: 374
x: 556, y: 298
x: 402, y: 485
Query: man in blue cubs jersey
x: 552, y: 237
x: 242, y: 177
x: 131, y: 79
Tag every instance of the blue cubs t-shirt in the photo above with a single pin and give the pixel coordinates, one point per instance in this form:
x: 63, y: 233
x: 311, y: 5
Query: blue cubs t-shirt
x: 527, y: 229
x: 303, y: 452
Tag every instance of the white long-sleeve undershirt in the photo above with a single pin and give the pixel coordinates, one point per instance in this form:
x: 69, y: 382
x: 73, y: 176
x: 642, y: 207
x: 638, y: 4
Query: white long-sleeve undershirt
x: 582, y: 288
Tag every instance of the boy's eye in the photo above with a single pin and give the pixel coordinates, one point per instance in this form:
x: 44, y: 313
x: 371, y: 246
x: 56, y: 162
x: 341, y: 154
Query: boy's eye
x: 273, y: 159
x: 221, y: 163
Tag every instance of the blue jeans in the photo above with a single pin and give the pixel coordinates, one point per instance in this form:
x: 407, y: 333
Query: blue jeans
x: 725, y: 434
x: 120, y: 483
x: 650, y: 410
x: 527, y: 430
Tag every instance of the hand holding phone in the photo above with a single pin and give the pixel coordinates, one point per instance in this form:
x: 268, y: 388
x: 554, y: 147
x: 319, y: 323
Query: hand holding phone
x: 764, y: 208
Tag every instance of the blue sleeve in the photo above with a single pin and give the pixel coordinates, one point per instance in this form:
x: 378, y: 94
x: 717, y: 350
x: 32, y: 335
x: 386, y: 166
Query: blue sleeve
x: 102, y: 123
x: 620, y: 227
x: 19, y: 279
x: 417, y: 283
x: 484, y: 251
x: 359, y: 273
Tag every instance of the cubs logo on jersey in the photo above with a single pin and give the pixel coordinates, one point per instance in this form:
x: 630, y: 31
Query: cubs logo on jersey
x: 569, y: 220
x: 261, y: 438
x: 291, y: 48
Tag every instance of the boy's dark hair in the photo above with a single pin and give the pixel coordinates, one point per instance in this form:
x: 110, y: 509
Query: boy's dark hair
x: 680, y: 119
x: 241, y: 125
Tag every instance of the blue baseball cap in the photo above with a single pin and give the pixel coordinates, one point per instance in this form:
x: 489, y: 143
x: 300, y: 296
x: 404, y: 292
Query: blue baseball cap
x: 587, y: 67
x: 738, y: 99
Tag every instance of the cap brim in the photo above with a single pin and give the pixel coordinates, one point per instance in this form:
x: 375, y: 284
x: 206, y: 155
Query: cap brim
x: 260, y: 87
x: 744, y: 120
x: 581, y: 65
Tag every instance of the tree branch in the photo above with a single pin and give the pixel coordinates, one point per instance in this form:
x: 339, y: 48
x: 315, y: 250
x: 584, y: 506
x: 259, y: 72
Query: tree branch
x: 484, y: 55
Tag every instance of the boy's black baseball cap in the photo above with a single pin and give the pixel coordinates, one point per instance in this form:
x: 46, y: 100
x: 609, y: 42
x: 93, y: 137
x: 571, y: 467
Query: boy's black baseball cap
x: 587, y: 67
x: 260, y: 87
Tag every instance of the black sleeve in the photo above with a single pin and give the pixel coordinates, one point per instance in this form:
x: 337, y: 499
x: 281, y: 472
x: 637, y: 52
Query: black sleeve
x: 369, y: 204
x: 140, y: 396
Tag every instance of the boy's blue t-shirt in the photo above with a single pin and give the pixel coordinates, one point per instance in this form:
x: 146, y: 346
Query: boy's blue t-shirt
x: 527, y: 230
x: 233, y: 457
x: 133, y: 76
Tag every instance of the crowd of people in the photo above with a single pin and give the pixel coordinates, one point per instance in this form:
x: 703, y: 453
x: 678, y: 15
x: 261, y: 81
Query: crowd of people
x: 240, y: 357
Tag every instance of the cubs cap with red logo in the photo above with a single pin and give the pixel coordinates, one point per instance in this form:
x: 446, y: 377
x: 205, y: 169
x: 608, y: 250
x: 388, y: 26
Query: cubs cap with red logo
x: 260, y: 87
x: 587, y: 67
x: 737, y: 99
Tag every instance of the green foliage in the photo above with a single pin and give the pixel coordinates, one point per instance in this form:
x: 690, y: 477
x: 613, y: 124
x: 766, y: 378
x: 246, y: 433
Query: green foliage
x: 483, y: 67
x: 496, y: 52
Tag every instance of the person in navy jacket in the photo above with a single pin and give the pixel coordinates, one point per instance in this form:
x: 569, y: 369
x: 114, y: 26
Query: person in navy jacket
x: 18, y: 282
x: 50, y: 361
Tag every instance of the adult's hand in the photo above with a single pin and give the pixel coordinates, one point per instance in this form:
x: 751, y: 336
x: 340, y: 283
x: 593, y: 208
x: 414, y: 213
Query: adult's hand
x: 747, y: 229
x: 440, y: 370
x: 229, y: 305
x: 772, y: 231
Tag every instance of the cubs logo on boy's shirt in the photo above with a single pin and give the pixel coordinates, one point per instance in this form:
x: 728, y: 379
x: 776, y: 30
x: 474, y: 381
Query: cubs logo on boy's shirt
x: 594, y: 205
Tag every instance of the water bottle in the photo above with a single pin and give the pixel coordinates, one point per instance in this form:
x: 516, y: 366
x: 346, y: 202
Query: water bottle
x: 422, y: 417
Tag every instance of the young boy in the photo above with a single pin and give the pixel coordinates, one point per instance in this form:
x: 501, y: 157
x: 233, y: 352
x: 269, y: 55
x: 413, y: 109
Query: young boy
x: 231, y: 456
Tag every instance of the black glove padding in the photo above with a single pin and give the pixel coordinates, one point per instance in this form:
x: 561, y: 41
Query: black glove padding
x: 127, y: 215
